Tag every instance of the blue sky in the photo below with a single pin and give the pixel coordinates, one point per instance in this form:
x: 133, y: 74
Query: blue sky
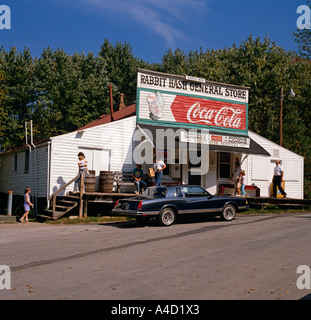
x: 150, y: 26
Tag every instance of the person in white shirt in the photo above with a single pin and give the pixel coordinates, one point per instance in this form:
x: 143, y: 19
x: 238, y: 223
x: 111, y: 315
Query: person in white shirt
x: 158, y: 168
x: 82, y: 167
x: 278, y: 178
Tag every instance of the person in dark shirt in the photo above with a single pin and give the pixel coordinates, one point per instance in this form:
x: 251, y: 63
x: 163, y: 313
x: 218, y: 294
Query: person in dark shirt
x: 137, y: 175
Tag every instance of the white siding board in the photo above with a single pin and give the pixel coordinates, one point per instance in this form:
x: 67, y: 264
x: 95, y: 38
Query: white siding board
x: 293, y: 176
x: 113, y: 136
x: 19, y: 180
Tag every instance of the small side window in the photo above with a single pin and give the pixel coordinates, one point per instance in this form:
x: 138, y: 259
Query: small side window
x: 26, y: 169
x: 15, y: 162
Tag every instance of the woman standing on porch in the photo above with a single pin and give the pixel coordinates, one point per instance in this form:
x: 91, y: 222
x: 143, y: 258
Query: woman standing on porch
x: 82, y: 167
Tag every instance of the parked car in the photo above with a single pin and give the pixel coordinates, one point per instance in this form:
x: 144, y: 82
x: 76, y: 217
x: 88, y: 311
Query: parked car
x: 166, y: 203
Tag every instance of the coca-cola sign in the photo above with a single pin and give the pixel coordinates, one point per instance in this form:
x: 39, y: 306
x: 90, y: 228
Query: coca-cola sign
x: 186, y: 101
x: 209, y: 112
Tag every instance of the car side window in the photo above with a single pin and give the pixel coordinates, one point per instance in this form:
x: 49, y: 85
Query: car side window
x: 185, y: 191
x: 178, y: 192
x: 197, y: 192
x: 160, y: 192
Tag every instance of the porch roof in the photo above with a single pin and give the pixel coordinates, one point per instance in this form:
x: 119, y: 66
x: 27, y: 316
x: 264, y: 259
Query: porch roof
x: 254, y: 147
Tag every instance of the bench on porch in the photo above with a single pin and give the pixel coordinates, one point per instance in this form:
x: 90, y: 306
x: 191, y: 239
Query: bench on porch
x: 123, y: 178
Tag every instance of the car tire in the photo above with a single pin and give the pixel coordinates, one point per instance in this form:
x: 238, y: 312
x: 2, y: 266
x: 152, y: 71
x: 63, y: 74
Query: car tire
x: 228, y: 213
x: 167, y: 217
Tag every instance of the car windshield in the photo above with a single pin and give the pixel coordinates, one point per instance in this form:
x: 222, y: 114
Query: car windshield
x: 160, y: 192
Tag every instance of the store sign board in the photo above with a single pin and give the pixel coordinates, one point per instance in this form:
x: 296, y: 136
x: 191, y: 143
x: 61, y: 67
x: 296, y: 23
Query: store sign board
x: 191, y: 102
x: 212, y: 139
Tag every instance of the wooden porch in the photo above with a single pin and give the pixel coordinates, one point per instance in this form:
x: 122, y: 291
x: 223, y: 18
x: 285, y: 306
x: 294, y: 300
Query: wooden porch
x: 60, y: 206
x: 81, y: 200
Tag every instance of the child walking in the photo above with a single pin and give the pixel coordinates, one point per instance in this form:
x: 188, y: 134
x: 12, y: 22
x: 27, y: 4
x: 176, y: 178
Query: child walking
x: 26, y: 205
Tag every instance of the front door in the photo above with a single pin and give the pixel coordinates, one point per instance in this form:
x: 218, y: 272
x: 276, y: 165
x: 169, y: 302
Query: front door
x: 98, y: 160
x: 194, y: 177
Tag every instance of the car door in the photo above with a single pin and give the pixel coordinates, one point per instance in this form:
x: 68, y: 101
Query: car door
x: 197, y: 200
x: 177, y: 199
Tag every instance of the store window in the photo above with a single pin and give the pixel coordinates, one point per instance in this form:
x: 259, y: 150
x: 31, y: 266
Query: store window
x: 224, y: 165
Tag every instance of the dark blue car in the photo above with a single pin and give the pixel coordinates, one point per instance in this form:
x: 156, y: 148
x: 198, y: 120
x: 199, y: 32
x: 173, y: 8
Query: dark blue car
x: 166, y: 203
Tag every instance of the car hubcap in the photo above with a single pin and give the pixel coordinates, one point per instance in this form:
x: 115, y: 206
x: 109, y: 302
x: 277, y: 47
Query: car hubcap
x: 168, y: 217
x: 229, y: 213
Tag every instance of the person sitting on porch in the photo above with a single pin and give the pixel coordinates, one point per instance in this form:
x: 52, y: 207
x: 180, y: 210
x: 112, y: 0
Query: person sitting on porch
x: 138, y: 175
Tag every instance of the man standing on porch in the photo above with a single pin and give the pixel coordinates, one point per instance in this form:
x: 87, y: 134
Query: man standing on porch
x: 158, y: 168
x: 278, y: 178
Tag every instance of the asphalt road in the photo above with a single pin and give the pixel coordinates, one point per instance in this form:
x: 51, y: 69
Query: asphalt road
x: 252, y: 257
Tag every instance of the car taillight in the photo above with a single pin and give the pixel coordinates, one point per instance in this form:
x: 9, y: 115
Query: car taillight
x: 139, y: 205
x: 116, y: 203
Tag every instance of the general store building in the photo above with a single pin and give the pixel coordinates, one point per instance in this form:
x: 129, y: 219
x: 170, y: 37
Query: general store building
x: 206, y: 118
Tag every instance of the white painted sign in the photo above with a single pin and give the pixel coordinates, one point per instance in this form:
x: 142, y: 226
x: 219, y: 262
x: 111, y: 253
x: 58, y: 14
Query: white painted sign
x: 212, y: 139
x: 191, y: 86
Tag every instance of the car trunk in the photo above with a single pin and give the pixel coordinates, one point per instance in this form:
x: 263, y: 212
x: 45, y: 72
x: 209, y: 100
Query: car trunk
x: 128, y: 204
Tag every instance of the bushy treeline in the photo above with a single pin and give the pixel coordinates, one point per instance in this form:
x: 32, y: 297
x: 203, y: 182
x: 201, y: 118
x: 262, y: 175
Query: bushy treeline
x: 62, y: 92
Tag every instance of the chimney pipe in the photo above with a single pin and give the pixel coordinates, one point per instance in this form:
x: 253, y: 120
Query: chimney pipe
x: 111, y: 102
x: 121, y: 105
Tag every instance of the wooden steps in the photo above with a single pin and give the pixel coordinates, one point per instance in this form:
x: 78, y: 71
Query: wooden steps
x: 62, y: 207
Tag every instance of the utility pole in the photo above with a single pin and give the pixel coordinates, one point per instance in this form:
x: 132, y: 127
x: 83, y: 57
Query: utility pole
x: 281, y: 117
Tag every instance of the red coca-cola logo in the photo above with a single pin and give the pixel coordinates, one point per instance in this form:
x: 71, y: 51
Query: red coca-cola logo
x: 209, y: 112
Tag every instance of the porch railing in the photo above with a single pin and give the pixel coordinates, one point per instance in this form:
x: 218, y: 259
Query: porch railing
x: 53, y: 196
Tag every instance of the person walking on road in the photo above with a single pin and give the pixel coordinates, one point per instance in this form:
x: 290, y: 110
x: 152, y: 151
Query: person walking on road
x: 27, y: 204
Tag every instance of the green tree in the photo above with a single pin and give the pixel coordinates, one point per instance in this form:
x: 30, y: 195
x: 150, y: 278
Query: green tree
x: 121, y: 66
x: 71, y: 91
x: 19, y: 88
x: 2, y: 112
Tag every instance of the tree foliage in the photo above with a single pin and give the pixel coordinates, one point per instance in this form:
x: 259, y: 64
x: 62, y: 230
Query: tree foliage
x: 62, y: 92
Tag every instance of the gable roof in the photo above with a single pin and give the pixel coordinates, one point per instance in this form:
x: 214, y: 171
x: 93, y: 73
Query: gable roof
x: 106, y: 118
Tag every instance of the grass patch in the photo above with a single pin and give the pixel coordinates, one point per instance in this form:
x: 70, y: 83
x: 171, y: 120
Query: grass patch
x: 274, y: 209
x: 105, y: 219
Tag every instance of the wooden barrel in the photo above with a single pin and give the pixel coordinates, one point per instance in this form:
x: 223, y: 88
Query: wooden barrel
x: 89, y: 181
x: 105, y: 181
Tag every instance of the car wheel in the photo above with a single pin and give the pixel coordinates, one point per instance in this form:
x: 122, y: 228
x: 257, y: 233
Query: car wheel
x: 228, y: 213
x: 167, y: 217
